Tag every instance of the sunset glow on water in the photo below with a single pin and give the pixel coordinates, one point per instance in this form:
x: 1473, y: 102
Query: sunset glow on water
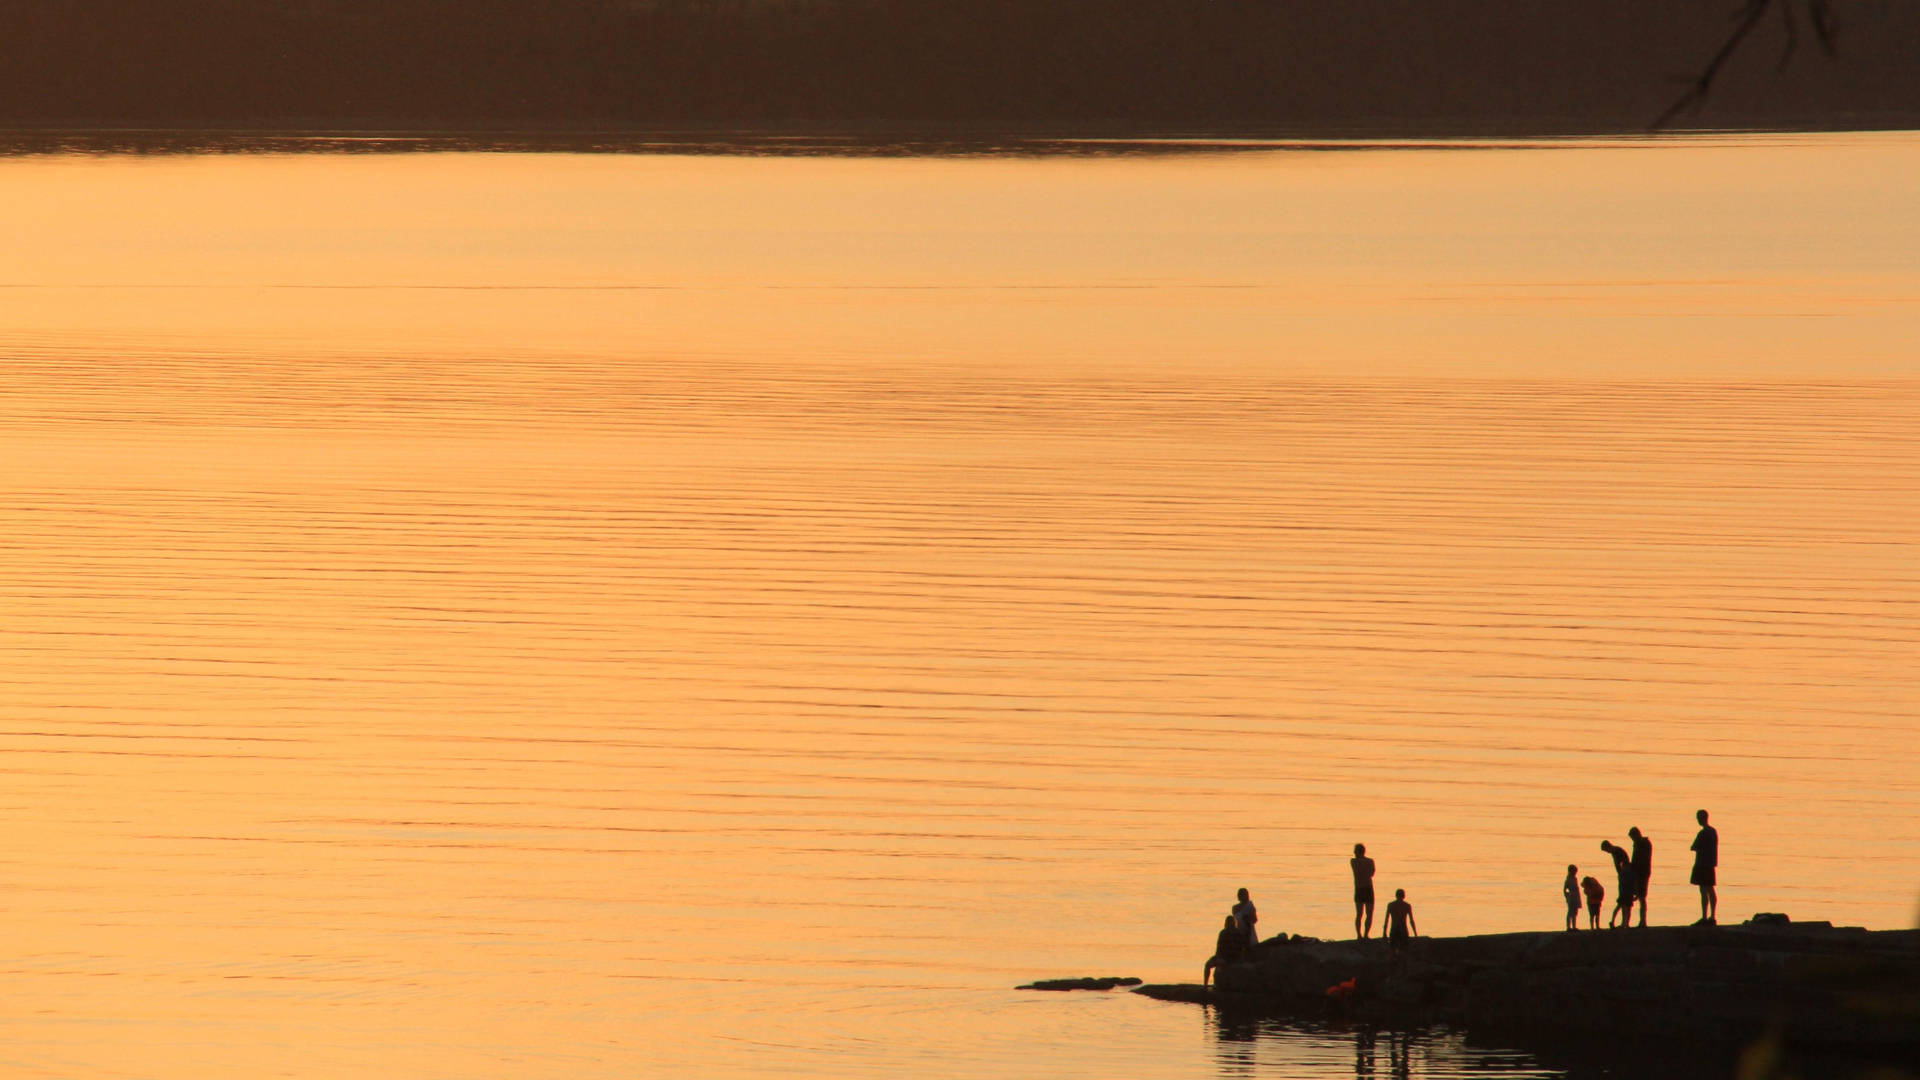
x: 575, y: 616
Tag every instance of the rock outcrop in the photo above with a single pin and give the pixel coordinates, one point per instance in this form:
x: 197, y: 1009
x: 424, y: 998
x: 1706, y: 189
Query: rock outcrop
x: 1091, y: 982
x: 1808, y: 984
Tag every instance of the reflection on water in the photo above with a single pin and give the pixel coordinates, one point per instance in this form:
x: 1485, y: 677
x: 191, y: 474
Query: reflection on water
x: 1250, y: 1047
x: 597, y: 616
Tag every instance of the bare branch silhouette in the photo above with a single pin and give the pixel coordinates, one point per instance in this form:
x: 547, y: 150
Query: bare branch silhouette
x: 1819, y: 14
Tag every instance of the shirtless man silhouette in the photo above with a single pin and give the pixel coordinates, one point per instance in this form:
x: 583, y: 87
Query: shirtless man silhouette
x: 1362, y: 891
x: 1400, y: 927
x: 1706, y: 861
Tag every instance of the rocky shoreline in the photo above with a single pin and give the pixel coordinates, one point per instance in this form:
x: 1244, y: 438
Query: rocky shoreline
x: 1809, y: 986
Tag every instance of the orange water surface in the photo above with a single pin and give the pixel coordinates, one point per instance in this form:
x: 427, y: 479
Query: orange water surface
x: 620, y: 615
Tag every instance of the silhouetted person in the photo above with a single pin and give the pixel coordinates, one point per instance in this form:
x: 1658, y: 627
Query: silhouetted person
x: 1570, y: 889
x: 1244, y: 914
x: 1706, y: 860
x: 1400, y: 927
x: 1642, y: 869
x: 1228, y: 947
x: 1622, y: 913
x: 1596, y: 893
x: 1362, y: 891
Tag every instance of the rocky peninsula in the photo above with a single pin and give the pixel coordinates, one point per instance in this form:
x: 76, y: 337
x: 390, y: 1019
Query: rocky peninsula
x: 1806, y: 985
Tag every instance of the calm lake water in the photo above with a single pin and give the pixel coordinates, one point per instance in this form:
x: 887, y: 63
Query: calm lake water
x: 543, y: 615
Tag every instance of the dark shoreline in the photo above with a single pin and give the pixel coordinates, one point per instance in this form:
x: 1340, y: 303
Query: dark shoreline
x: 134, y: 142
x: 1805, y: 990
x: 952, y: 69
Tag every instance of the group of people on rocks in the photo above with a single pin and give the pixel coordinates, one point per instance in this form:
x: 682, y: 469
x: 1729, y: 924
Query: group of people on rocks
x: 1633, y: 870
x: 1238, y: 935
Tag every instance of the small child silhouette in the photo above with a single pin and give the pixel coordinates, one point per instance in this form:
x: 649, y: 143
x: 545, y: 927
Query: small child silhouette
x: 1596, y: 894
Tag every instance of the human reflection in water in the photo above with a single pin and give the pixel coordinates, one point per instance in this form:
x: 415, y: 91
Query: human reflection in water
x: 1366, y: 1054
x: 1234, y: 1038
x: 1262, y: 1047
x: 1399, y: 1054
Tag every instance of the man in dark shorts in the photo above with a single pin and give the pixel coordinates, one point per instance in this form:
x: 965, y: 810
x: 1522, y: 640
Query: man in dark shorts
x: 1362, y: 891
x: 1642, y: 869
x: 1706, y: 862
x: 1622, y: 914
x: 1400, y: 927
x: 1228, y: 947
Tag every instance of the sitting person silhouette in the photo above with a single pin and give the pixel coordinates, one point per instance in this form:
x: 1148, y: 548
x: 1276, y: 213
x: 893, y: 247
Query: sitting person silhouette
x: 1228, y: 947
x: 1246, y: 916
x: 1570, y: 890
x: 1596, y: 893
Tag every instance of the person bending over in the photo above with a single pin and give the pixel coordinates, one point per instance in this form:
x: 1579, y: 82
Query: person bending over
x: 1596, y: 895
x: 1622, y: 913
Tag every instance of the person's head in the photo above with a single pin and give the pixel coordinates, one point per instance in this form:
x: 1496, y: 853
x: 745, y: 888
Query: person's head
x: 1572, y: 869
x: 1359, y: 850
x: 1399, y: 894
x: 1700, y: 816
x: 1229, y: 924
x: 1634, y: 832
x: 1243, y: 894
x: 1604, y: 846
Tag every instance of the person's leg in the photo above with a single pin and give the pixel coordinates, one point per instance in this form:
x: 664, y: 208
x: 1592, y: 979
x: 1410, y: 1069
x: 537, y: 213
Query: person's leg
x: 1643, y: 905
x: 1358, y: 905
x: 1713, y: 903
x: 1369, y: 932
x: 1703, y: 903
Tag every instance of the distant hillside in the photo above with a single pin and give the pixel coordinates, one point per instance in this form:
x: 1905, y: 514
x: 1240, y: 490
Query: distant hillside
x: 1015, y: 66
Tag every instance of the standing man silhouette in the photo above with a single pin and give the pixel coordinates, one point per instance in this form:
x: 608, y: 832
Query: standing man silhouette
x: 1362, y: 891
x: 1642, y: 869
x: 1400, y: 927
x: 1570, y: 889
x: 1706, y: 860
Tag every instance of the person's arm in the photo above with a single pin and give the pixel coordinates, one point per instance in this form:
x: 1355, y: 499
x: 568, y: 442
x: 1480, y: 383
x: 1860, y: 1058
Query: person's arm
x: 1411, y: 924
